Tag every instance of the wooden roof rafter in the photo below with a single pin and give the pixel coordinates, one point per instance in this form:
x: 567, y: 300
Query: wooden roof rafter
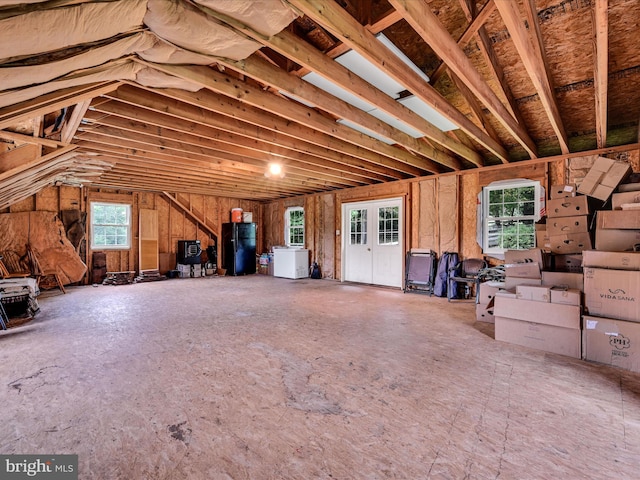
x: 601, y: 68
x: 220, y: 84
x: 341, y: 25
x: 531, y: 52
x: 280, y: 80
x: 419, y: 15
x: 287, y: 44
x: 187, y: 119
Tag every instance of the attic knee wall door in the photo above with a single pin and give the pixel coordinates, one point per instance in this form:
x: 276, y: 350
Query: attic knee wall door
x: 373, y: 242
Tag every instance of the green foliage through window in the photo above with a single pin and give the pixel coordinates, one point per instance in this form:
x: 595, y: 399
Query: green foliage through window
x: 110, y: 225
x: 510, y: 216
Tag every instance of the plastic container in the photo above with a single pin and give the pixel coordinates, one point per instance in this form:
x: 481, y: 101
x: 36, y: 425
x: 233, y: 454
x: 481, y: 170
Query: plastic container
x: 236, y: 215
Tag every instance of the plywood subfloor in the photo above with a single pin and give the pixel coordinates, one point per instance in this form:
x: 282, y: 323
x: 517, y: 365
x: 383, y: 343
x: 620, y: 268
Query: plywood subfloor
x: 264, y: 378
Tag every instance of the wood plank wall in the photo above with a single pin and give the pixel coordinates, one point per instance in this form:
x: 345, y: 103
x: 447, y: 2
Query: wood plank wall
x: 173, y: 222
x: 440, y: 210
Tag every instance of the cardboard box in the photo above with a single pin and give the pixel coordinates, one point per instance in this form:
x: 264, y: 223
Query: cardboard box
x: 566, y: 296
x: 542, y: 237
x: 612, y: 342
x: 563, y: 225
x: 532, y: 255
x: 610, y: 237
x: 625, y: 220
x: 567, y: 263
x: 505, y: 294
x: 618, y: 199
x: 549, y: 338
x: 570, y: 242
x: 567, y: 316
x: 604, y: 177
x: 484, y: 314
x: 536, y: 293
x: 612, y: 293
x: 563, y: 279
x: 510, y: 283
x: 568, y: 207
x: 614, y: 260
x: 522, y: 270
x: 488, y: 291
x: 562, y: 191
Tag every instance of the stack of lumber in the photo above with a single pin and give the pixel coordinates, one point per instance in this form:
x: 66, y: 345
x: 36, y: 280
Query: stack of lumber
x: 119, y: 278
x: 149, y: 276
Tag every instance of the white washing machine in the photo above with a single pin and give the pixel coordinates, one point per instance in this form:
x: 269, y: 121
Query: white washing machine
x: 291, y: 262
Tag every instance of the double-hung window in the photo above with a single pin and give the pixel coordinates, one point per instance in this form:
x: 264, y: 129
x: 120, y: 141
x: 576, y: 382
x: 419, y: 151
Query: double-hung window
x: 294, y: 227
x: 510, y: 210
x: 110, y: 226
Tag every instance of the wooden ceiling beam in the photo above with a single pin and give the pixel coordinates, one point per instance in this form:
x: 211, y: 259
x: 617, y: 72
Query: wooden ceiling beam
x: 601, y: 68
x: 531, y: 54
x: 114, y: 146
x: 287, y: 44
x: 243, y: 119
x: 22, y: 138
x: 279, y: 79
x: 176, y: 149
x: 233, y: 132
x: 178, y: 180
x: 51, y: 102
x: 72, y: 124
x: 219, y: 83
x: 419, y: 15
x: 39, y: 162
x: 340, y: 24
x: 236, y: 154
x: 476, y: 24
x: 491, y: 59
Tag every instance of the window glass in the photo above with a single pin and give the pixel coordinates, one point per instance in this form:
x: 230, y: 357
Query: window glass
x: 358, y: 227
x: 110, y: 226
x: 509, y: 216
x: 294, y: 230
x: 388, y: 225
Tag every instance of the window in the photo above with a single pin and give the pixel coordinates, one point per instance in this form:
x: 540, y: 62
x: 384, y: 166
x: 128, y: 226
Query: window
x: 388, y: 225
x: 294, y: 229
x: 509, y: 211
x: 110, y: 225
x: 358, y: 227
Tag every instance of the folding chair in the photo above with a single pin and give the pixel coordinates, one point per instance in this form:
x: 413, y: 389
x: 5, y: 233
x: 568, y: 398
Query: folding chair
x: 420, y: 271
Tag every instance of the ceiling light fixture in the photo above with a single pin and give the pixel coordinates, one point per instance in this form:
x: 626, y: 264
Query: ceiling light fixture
x: 274, y: 170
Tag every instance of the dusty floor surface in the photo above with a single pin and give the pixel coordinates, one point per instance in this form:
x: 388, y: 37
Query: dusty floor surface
x: 265, y: 378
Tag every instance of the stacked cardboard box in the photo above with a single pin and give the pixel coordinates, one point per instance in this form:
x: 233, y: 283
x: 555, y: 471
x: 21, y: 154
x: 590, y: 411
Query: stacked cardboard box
x: 612, y: 299
x: 540, y: 317
x: 617, y: 230
x: 568, y: 224
x: 603, y: 178
x: 523, y: 267
x: 484, y: 307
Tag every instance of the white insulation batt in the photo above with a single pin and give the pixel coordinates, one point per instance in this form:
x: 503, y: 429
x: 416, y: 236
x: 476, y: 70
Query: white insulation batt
x: 33, y: 46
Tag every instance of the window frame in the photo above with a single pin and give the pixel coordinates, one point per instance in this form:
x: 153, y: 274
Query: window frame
x: 128, y: 226
x: 391, y: 227
x: 288, y: 227
x: 486, y: 217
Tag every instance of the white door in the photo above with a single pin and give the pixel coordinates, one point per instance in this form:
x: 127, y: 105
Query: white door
x: 373, y: 242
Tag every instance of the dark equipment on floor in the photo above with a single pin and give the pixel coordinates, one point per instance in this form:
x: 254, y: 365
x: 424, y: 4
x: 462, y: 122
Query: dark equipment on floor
x: 467, y: 274
x: 420, y: 271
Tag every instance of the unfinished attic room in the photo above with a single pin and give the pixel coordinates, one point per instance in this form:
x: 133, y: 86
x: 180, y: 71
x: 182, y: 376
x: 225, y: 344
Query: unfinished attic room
x: 319, y: 239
